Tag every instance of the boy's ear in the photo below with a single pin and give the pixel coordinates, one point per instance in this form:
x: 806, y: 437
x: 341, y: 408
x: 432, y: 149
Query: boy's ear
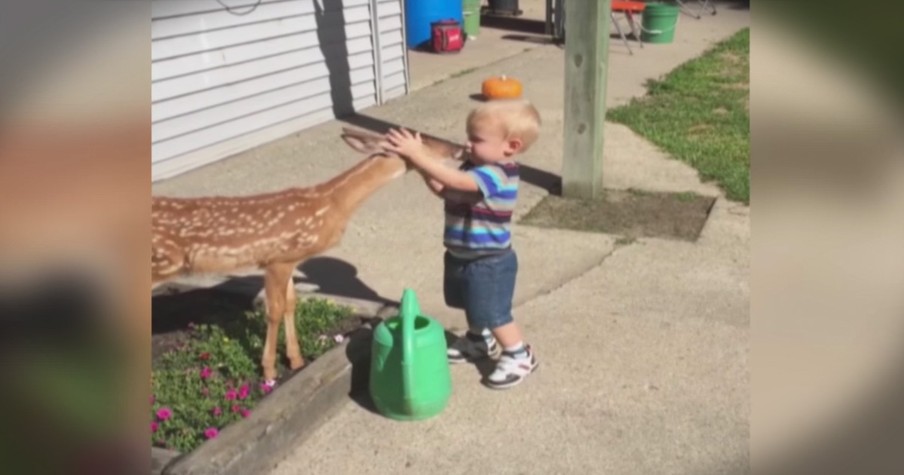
x: 515, y: 145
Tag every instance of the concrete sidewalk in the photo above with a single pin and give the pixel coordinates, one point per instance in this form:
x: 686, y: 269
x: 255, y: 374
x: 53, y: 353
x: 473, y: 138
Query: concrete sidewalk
x: 643, y: 347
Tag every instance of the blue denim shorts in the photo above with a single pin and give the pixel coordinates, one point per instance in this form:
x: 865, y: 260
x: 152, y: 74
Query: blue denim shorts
x: 482, y: 287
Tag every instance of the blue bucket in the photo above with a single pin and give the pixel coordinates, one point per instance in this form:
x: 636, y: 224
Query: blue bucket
x: 420, y: 14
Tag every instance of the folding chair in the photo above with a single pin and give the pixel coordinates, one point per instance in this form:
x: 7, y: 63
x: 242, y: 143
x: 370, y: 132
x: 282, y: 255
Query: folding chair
x: 629, y: 9
x: 704, y: 5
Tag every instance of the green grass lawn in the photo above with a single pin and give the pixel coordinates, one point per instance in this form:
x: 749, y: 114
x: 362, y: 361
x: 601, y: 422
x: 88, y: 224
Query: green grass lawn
x: 699, y: 113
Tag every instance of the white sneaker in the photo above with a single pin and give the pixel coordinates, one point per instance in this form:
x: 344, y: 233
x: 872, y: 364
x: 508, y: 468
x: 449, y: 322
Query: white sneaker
x: 510, y: 371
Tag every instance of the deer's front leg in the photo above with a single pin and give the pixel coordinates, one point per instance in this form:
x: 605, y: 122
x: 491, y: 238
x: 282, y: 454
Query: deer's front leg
x: 293, y: 351
x: 275, y: 280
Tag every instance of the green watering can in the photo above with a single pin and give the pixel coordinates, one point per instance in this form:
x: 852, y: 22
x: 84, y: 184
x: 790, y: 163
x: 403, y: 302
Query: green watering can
x: 409, y: 372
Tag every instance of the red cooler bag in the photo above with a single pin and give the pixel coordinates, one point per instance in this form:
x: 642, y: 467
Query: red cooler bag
x: 448, y: 36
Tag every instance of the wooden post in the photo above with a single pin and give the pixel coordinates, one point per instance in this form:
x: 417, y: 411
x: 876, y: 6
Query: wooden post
x: 586, y: 58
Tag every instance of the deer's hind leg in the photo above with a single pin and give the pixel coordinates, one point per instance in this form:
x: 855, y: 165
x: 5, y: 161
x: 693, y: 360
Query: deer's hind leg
x: 276, y: 278
x: 293, y: 350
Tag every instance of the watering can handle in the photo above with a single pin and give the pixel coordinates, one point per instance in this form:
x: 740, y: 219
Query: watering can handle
x: 409, y: 311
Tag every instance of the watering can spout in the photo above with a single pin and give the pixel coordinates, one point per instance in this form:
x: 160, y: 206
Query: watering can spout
x: 409, y: 309
x: 409, y: 306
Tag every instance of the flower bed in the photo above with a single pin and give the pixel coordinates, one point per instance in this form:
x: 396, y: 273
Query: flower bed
x: 214, y: 378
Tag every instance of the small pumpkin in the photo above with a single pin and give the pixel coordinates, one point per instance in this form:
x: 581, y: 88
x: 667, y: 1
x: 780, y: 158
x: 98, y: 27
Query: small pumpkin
x: 501, y: 87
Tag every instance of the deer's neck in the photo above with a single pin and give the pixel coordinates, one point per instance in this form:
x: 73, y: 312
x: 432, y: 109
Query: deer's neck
x: 351, y: 188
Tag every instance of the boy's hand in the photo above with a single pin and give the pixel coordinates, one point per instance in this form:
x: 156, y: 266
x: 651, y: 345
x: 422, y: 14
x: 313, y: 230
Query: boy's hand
x: 409, y: 145
x: 405, y: 143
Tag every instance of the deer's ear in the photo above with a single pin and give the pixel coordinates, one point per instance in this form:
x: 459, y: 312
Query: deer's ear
x: 362, y: 144
x: 355, y: 143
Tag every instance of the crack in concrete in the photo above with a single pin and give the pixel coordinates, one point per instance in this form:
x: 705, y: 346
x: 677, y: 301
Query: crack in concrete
x: 553, y: 288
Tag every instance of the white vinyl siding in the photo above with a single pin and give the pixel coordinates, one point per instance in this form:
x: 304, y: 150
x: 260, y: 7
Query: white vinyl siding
x: 225, y: 82
x: 391, y: 39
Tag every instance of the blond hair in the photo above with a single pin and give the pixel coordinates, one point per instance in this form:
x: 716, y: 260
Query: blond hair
x: 515, y: 118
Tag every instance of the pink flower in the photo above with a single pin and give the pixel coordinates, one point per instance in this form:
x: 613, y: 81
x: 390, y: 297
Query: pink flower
x: 231, y: 395
x: 154, y: 427
x: 245, y: 412
x: 267, y: 386
x: 236, y: 408
x: 339, y: 338
x: 164, y: 413
x: 217, y: 411
x: 211, y: 432
x: 243, y: 391
x: 205, y: 372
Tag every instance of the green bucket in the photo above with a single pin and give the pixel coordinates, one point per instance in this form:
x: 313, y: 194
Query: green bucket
x: 659, y: 22
x: 471, y: 14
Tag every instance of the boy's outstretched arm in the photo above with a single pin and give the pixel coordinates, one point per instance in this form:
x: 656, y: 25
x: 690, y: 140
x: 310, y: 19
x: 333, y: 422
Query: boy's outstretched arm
x: 441, y: 191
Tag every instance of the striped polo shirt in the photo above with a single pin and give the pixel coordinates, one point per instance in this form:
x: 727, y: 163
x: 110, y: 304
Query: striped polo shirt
x: 483, y: 228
